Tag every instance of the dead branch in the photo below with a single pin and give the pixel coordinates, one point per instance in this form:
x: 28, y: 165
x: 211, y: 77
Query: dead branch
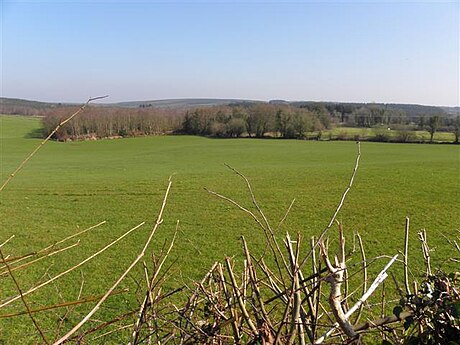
x: 406, y: 250
x: 363, y: 257
x: 339, y: 206
x: 425, y: 251
x: 379, y: 279
x: 6, y: 241
x: 60, y: 305
x: 11, y: 300
x: 336, y: 279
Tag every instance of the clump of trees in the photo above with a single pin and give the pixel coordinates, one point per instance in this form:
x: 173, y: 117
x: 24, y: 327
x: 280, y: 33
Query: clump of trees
x: 104, y: 122
x: 255, y: 120
x: 454, y: 127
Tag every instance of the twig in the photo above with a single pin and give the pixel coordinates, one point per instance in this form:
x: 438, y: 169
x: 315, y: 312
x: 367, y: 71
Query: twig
x: 425, y: 251
x: 58, y: 242
x: 233, y: 311
x: 254, y: 201
x: 9, y: 239
x: 237, y: 205
x: 255, y: 286
x: 73, y: 267
x: 363, y: 256
x: 40, y: 258
x: 148, y: 295
x: 60, y: 305
x: 296, y: 321
x: 267, y: 224
x: 240, y: 299
x: 112, y: 331
x: 339, y: 207
x: 383, y: 321
x: 191, y: 304
x: 336, y: 279
x: 285, y: 215
x: 406, y: 246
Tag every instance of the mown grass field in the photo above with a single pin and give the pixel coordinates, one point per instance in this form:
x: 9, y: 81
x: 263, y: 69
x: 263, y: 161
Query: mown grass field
x: 369, y: 133
x: 70, y: 186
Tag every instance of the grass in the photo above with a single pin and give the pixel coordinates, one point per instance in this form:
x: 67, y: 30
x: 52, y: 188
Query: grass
x: 70, y: 186
x: 369, y: 133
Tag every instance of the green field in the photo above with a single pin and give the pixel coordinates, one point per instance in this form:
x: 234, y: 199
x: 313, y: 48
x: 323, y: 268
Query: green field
x: 369, y: 133
x: 70, y: 186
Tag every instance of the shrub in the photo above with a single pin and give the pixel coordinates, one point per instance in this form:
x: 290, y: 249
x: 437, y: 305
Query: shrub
x: 342, y: 135
x: 405, y: 136
x: 380, y: 135
x: 236, y: 127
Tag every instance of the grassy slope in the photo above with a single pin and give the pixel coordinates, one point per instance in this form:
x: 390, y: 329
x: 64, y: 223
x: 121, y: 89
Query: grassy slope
x: 122, y: 181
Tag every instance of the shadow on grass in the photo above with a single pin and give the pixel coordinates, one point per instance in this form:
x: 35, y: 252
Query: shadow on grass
x: 36, y: 133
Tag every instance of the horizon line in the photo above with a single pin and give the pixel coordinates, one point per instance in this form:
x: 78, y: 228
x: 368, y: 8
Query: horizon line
x: 234, y: 99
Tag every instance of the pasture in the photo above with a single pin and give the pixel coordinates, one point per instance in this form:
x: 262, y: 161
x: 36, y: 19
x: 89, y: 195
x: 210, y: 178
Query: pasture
x: 70, y: 186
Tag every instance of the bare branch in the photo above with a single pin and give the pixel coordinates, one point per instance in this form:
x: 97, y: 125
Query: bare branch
x: 406, y: 247
x: 73, y: 267
x: 60, y: 305
x: 339, y: 207
x: 378, y: 280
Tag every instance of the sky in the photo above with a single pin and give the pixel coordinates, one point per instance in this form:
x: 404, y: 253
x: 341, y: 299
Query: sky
x: 345, y: 51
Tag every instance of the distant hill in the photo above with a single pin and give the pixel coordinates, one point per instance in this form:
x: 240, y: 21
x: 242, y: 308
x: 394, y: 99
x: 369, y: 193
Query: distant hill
x: 452, y: 110
x: 411, y: 108
x: 17, y: 102
x: 180, y: 103
x: 28, y: 107
x: 17, y: 106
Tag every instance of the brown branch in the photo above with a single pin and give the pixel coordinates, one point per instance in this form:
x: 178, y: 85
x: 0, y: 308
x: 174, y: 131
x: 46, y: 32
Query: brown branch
x: 267, y: 224
x: 58, y: 242
x: 148, y: 295
x: 383, y: 321
x: 256, y: 291
x: 73, y: 267
x: 425, y: 251
x: 285, y: 215
x: 60, y: 305
x: 363, y: 256
x: 40, y: 258
x: 233, y: 311
x: 240, y: 299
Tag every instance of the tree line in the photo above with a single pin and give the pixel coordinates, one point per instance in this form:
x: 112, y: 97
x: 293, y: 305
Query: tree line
x: 255, y: 120
x: 105, y: 122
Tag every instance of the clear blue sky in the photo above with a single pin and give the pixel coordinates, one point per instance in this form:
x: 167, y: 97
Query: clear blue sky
x: 398, y: 51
